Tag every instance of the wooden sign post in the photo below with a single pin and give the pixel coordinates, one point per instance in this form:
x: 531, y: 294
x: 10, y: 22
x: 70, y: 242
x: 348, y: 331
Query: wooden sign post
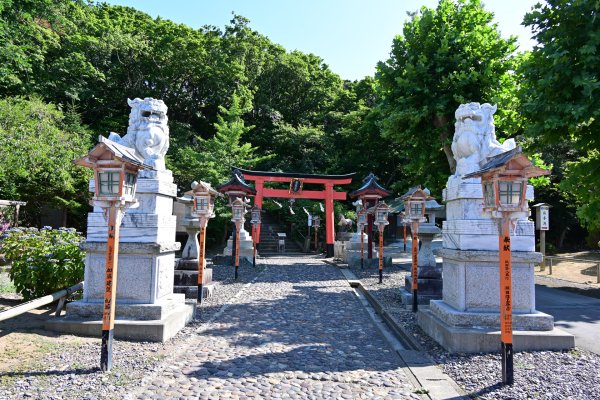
x: 404, y: 234
x: 415, y: 264
x: 380, y: 253
x: 237, y: 249
x: 506, y: 301
x: 110, y: 292
x: 201, y: 258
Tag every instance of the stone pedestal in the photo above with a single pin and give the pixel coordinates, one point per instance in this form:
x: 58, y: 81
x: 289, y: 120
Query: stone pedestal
x: 186, y: 279
x: 429, y: 278
x: 467, y: 318
x: 246, y: 247
x: 147, y: 308
x: 352, y: 252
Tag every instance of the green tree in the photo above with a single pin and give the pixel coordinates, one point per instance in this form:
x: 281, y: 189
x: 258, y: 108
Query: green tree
x: 212, y: 159
x: 561, y: 95
x: 37, y: 144
x: 447, y: 56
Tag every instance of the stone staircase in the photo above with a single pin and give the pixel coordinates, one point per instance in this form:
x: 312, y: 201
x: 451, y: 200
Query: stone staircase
x: 186, y: 278
x: 269, y: 241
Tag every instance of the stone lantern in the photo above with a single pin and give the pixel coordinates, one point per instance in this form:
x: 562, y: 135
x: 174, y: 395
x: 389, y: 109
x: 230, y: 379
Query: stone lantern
x: 115, y: 171
x: 361, y: 222
x: 238, y: 210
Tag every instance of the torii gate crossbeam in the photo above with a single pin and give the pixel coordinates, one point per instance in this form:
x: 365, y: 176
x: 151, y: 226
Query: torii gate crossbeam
x: 329, y: 194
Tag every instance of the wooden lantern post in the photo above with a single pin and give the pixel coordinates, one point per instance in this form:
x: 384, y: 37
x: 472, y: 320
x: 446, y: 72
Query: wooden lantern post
x: 203, y: 208
x: 504, y: 185
x: 414, y: 213
x: 255, y: 221
x: 381, y: 220
x: 115, y: 174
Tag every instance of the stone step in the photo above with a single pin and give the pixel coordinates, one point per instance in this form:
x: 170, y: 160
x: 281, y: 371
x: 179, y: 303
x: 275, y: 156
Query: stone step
x: 190, y: 278
x: 191, y: 292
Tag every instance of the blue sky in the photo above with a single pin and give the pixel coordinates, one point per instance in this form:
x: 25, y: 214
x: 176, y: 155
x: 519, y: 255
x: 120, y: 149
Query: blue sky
x: 350, y: 35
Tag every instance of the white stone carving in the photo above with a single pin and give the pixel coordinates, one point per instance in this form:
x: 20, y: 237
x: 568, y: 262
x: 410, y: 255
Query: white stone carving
x: 475, y: 137
x: 148, y: 132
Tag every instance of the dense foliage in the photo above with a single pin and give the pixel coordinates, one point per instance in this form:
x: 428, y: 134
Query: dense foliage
x: 561, y: 92
x: 445, y: 57
x: 43, y: 261
x: 236, y: 98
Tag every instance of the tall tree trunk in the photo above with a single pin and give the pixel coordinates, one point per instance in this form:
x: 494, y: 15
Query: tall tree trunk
x: 441, y: 122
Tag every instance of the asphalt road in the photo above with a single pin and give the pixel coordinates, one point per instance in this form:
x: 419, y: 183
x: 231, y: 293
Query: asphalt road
x: 574, y: 313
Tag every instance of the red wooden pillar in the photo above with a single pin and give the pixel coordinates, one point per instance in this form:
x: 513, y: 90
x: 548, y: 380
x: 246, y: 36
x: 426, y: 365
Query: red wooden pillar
x: 259, y: 185
x: 329, y: 219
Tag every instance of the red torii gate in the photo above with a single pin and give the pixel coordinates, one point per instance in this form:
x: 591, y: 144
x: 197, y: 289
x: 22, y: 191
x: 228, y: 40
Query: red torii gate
x: 329, y: 195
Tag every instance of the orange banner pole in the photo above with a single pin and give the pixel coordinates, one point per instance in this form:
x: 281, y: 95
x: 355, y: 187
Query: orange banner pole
x: 380, y: 253
x: 316, y: 240
x: 506, y: 302
x: 254, y: 245
x: 415, y: 264
x: 110, y: 292
x: 237, y: 248
x: 404, y: 237
x: 201, y: 259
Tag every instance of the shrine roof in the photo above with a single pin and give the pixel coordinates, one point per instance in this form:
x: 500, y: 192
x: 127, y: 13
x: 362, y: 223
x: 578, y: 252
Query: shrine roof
x: 236, y: 183
x: 370, y: 186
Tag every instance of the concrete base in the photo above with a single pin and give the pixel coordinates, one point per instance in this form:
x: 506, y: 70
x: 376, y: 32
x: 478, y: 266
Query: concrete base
x: 475, y: 340
x: 153, y: 330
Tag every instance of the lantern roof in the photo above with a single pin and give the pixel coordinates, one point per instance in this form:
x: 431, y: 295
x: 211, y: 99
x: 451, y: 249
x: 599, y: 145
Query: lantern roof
x: 370, y: 187
x: 204, y: 187
x: 106, y: 149
x: 512, y: 162
x: 542, y: 205
x: 236, y: 184
x: 416, y: 193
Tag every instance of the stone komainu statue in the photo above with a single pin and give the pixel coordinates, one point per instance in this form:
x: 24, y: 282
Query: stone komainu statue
x: 475, y: 137
x: 148, y: 132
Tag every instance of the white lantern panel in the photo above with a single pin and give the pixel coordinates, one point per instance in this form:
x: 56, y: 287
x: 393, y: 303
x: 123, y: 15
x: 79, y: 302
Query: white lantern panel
x: 510, y: 193
x: 109, y: 182
x: 129, y: 184
x: 488, y: 194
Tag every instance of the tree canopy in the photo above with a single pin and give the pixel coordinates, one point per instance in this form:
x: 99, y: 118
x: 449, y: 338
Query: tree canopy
x: 235, y: 97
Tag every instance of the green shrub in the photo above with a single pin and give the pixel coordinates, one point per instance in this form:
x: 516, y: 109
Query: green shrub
x: 43, y: 261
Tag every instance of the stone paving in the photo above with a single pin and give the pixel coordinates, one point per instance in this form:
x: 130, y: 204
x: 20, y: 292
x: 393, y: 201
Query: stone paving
x: 297, y: 331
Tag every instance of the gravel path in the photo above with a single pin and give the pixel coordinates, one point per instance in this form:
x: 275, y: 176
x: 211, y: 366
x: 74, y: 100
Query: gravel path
x: 573, y: 374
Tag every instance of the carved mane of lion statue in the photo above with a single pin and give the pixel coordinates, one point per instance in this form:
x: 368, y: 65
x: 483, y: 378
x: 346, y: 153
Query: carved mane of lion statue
x: 475, y: 137
x: 148, y: 132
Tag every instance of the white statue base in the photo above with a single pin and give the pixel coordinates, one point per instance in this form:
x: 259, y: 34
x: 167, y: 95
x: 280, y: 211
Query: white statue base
x: 246, y: 248
x: 146, y: 309
x: 467, y: 318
